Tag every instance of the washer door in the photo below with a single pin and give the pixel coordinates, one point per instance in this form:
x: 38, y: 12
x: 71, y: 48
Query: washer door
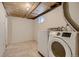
x: 59, y: 48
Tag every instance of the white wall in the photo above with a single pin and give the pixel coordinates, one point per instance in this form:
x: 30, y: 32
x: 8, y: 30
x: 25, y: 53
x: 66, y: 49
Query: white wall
x: 54, y: 18
x: 20, y: 29
x: 3, y: 29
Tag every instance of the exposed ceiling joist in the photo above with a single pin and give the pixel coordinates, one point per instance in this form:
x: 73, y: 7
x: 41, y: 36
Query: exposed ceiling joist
x: 34, y: 9
x: 52, y: 7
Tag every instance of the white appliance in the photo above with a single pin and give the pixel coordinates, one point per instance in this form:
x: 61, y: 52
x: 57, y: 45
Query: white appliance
x: 42, y: 39
x: 63, y: 44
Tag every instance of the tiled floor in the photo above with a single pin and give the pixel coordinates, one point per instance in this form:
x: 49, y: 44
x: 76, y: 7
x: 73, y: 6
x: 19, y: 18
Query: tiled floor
x: 24, y: 49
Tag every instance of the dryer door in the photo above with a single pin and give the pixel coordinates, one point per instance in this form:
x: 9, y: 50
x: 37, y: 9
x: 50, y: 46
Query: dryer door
x: 59, y: 48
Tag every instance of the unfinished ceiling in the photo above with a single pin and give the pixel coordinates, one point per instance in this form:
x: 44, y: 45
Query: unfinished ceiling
x: 29, y: 10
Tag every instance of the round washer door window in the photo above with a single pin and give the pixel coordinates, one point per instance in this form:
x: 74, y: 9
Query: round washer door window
x: 59, y: 48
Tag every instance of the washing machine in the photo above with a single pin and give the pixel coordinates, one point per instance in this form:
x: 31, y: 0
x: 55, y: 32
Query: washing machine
x: 63, y: 44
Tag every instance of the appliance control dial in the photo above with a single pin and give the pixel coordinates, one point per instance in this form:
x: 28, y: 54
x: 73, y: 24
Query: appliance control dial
x: 58, y: 33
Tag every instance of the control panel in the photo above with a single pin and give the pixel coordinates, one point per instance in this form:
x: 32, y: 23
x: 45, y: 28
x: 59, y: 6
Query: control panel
x: 61, y: 34
x: 65, y: 34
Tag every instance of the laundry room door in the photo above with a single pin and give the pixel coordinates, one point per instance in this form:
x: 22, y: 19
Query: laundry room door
x: 59, y: 48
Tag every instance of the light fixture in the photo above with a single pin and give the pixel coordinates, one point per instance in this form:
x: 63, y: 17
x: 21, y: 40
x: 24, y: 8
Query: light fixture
x: 28, y: 6
x: 40, y: 19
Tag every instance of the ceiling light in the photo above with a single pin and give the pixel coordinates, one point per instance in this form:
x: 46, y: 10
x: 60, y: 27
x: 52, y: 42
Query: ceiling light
x: 40, y: 19
x: 28, y: 6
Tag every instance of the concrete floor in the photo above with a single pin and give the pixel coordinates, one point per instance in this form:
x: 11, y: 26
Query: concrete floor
x: 24, y: 49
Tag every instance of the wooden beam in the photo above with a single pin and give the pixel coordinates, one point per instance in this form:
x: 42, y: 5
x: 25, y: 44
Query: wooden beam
x: 28, y: 11
x: 34, y: 9
x: 52, y: 7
